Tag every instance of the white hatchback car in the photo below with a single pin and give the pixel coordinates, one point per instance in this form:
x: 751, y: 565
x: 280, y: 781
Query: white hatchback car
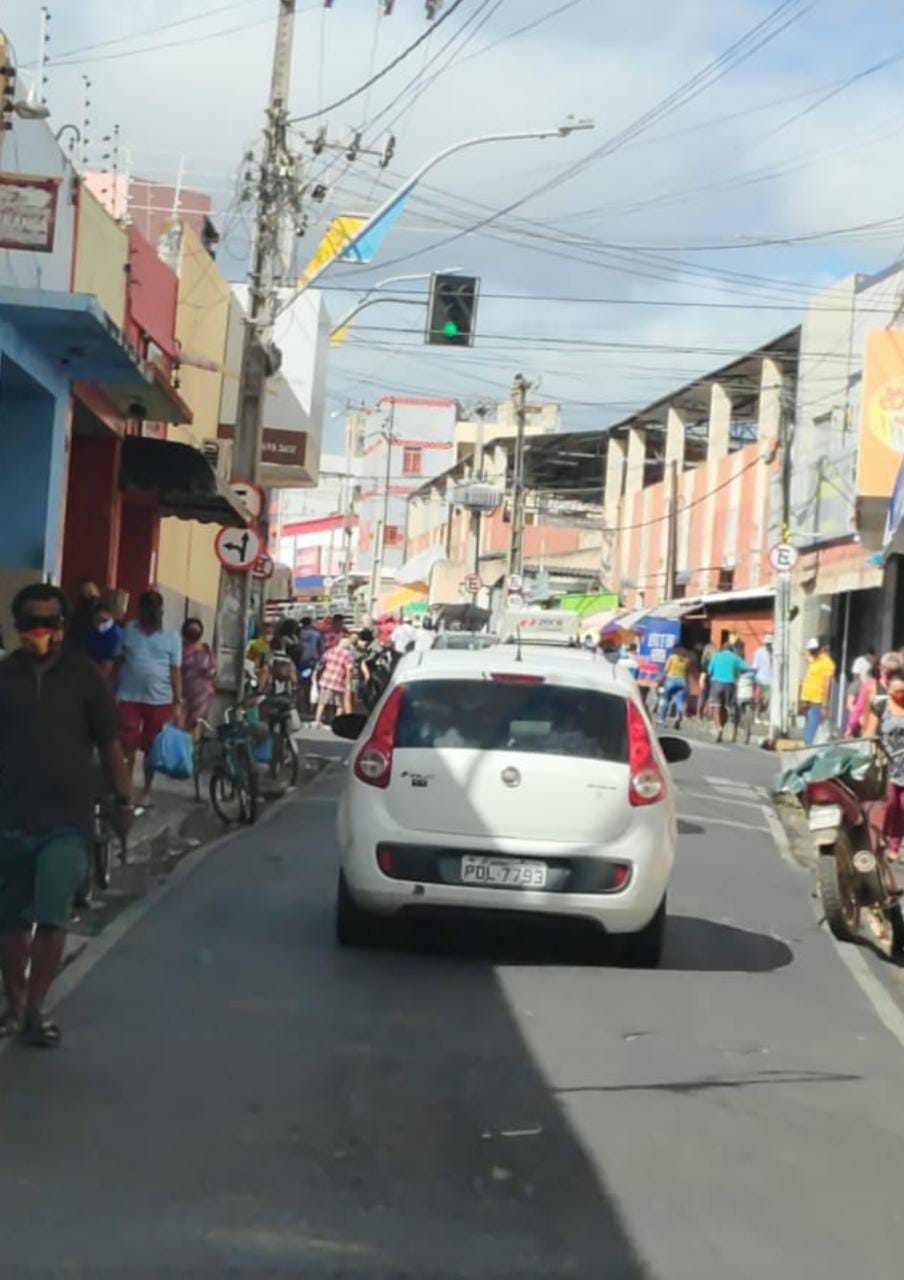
x: 494, y: 780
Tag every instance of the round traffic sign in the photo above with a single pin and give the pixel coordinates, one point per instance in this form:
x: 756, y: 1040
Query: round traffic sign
x: 783, y: 557
x: 238, y: 549
x: 251, y: 495
x: 515, y: 600
x: 514, y: 582
x: 263, y: 567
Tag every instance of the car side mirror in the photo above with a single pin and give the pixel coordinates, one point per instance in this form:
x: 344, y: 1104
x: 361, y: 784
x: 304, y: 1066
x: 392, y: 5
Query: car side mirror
x: 350, y: 726
x: 674, y: 749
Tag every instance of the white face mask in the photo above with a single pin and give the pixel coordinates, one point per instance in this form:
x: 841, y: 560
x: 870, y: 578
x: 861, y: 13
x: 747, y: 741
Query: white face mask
x: 104, y: 627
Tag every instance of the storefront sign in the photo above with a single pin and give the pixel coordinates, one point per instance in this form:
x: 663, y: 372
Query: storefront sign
x: 882, y: 428
x: 27, y: 212
x: 307, y: 562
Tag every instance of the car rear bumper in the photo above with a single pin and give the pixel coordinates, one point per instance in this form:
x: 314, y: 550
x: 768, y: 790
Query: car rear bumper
x: 649, y: 853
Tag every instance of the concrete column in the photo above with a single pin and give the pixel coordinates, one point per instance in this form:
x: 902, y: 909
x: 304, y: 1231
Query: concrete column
x: 637, y: 453
x: 615, y: 477
x: 772, y: 380
x: 719, y: 422
x: 675, y: 432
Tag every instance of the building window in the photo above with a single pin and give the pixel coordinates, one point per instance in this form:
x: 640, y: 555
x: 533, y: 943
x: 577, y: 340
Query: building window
x: 393, y: 536
x: 726, y: 580
x: 411, y: 461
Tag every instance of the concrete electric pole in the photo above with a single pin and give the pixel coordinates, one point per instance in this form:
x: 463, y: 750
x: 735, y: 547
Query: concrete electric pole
x: 269, y: 269
x: 516, y: 540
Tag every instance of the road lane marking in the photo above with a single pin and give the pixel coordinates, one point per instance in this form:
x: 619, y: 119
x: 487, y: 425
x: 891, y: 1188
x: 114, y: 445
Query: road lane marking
x: 887, y: 1010
x: 779, y: 837
x: 724, y: 822
x: 717, y: 799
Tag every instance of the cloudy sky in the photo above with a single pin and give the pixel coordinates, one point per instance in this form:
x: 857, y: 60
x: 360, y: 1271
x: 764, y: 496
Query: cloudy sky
x: 745, y: 152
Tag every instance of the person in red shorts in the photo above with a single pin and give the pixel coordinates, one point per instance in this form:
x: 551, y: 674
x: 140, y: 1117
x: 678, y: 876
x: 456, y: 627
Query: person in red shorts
x: 150, y: 681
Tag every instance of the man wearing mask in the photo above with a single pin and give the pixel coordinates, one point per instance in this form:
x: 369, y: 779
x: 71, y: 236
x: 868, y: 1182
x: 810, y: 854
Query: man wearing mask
x: 150, y: 681
x: 55, y: 710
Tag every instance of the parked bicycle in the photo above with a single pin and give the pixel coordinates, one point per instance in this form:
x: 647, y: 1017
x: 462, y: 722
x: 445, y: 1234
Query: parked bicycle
x: 233, y: 781
x: 98, y: 873
x: 283, y: 721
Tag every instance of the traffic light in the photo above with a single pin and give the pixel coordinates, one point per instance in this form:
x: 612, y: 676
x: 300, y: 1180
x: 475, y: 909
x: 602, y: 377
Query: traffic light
x: 452, y: 311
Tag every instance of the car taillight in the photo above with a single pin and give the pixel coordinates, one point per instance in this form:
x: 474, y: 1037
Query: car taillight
x: 646, y: 785
x: 373, y: 763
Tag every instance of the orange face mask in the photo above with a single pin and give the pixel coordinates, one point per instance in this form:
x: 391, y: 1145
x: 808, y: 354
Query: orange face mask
x: 40, y: 641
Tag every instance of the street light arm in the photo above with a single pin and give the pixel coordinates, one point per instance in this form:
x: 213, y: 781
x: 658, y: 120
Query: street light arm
x: 560, y: 131
x: 372, y: 302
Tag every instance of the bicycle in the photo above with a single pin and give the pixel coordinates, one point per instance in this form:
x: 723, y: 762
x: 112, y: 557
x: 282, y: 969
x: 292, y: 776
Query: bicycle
x: 205, y: 754
x: 233, y: 782
x: 283, y: 721
x: 98, y: 873
x: 744, y: 708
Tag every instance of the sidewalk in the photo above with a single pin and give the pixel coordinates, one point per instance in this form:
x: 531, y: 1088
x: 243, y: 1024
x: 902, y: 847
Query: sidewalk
x: 173, y: 824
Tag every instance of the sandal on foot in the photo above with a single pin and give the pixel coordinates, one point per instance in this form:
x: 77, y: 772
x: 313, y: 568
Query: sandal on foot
x: 40, y: 1031
x: 10, y: 1024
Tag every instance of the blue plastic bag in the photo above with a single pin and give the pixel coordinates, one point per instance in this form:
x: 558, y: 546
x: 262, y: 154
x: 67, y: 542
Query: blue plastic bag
x: 172, y: 753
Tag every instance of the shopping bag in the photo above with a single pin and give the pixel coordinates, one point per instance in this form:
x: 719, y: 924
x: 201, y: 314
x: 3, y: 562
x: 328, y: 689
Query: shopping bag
x: 172, y: 753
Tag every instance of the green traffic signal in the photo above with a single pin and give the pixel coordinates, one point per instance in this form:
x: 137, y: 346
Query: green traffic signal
x: 450, y: 329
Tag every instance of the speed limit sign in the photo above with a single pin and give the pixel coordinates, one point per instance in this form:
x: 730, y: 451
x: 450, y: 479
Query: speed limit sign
x: 783, y: 557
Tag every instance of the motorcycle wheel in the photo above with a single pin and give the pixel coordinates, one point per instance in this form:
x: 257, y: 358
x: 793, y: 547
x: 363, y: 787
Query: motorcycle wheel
x: 838, y: 889
x: 895, y: 918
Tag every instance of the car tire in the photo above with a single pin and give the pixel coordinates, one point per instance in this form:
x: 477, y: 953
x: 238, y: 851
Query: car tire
x: 643, y: 950
x: 356, y: 927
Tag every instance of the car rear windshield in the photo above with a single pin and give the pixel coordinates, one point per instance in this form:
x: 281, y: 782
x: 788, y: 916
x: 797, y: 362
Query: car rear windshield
x: 538, y: 719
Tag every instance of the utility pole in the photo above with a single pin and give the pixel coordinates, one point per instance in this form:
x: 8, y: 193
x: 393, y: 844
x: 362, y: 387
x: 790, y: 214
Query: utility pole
x: 380, y: 547
x: 779, y: 706
x: 671, y: 549
x: 259, y: 359
x: 477, y: 473
x: 516, y: 541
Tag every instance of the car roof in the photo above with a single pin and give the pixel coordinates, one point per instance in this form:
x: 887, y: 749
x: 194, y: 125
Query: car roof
x: 559, y: 663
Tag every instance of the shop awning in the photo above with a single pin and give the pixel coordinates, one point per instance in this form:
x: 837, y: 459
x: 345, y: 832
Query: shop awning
x: 418, y: 568
x: 394, y: 601
x: 189, y: 488
x: 74, y: 333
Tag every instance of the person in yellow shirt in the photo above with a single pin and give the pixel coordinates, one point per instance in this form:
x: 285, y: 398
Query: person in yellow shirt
x: 674, y: 685
x: 816, y: 689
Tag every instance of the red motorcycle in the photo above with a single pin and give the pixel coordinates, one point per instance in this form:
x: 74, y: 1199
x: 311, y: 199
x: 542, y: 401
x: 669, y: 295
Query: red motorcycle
x: 846, y: 817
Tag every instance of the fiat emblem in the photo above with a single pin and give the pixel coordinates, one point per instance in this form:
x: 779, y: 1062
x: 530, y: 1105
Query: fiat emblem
x: 511, y: 777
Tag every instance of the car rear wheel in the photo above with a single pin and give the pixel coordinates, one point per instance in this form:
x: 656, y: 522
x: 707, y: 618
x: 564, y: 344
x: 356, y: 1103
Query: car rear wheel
x: 356, y: 927
x: 643, y: 950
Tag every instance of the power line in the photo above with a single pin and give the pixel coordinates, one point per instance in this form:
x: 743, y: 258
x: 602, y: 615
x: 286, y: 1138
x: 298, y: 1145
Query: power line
x: 384, y: 71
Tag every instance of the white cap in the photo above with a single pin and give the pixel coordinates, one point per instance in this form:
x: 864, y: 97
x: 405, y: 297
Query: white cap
x: 814, y: 644
x: 768, y: 637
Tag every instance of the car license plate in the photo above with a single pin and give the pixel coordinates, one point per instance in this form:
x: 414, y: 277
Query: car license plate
x: 503, y: 872
x: 824, y: 817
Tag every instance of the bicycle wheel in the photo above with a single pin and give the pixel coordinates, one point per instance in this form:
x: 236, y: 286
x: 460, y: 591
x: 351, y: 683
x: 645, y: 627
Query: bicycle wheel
x: 246, y: 782
x: 199, y: 763
x: 284, y: 760
x: 226, y: 796
x: 101, y: 860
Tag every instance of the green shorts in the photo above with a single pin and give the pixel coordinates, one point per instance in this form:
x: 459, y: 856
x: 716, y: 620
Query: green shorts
x: 39, y: 876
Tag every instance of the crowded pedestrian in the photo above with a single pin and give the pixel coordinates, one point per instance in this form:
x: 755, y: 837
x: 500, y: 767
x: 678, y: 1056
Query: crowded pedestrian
x: 81, y: 621
x: 816, y: 689
x: 674, y: 685
x: 762, y: 670
x: 150, y: 681
x: 199, y: 671
x: 404, y: 638
x: 56, y: 710
x: 724, y: 668
x: 310, y: 651
x: 334, y: 680
x: 103, y: 641
x: 886, y: 721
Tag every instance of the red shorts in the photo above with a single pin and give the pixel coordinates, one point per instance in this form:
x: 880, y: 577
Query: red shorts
x: 140, y: 722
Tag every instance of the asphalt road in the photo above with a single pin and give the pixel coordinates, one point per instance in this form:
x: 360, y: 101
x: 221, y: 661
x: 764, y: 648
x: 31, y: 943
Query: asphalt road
x: 238, y: 1097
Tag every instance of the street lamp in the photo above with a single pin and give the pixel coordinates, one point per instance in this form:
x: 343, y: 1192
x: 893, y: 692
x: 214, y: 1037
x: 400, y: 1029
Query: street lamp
x: 559, y: 131
x: 367, y: 301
